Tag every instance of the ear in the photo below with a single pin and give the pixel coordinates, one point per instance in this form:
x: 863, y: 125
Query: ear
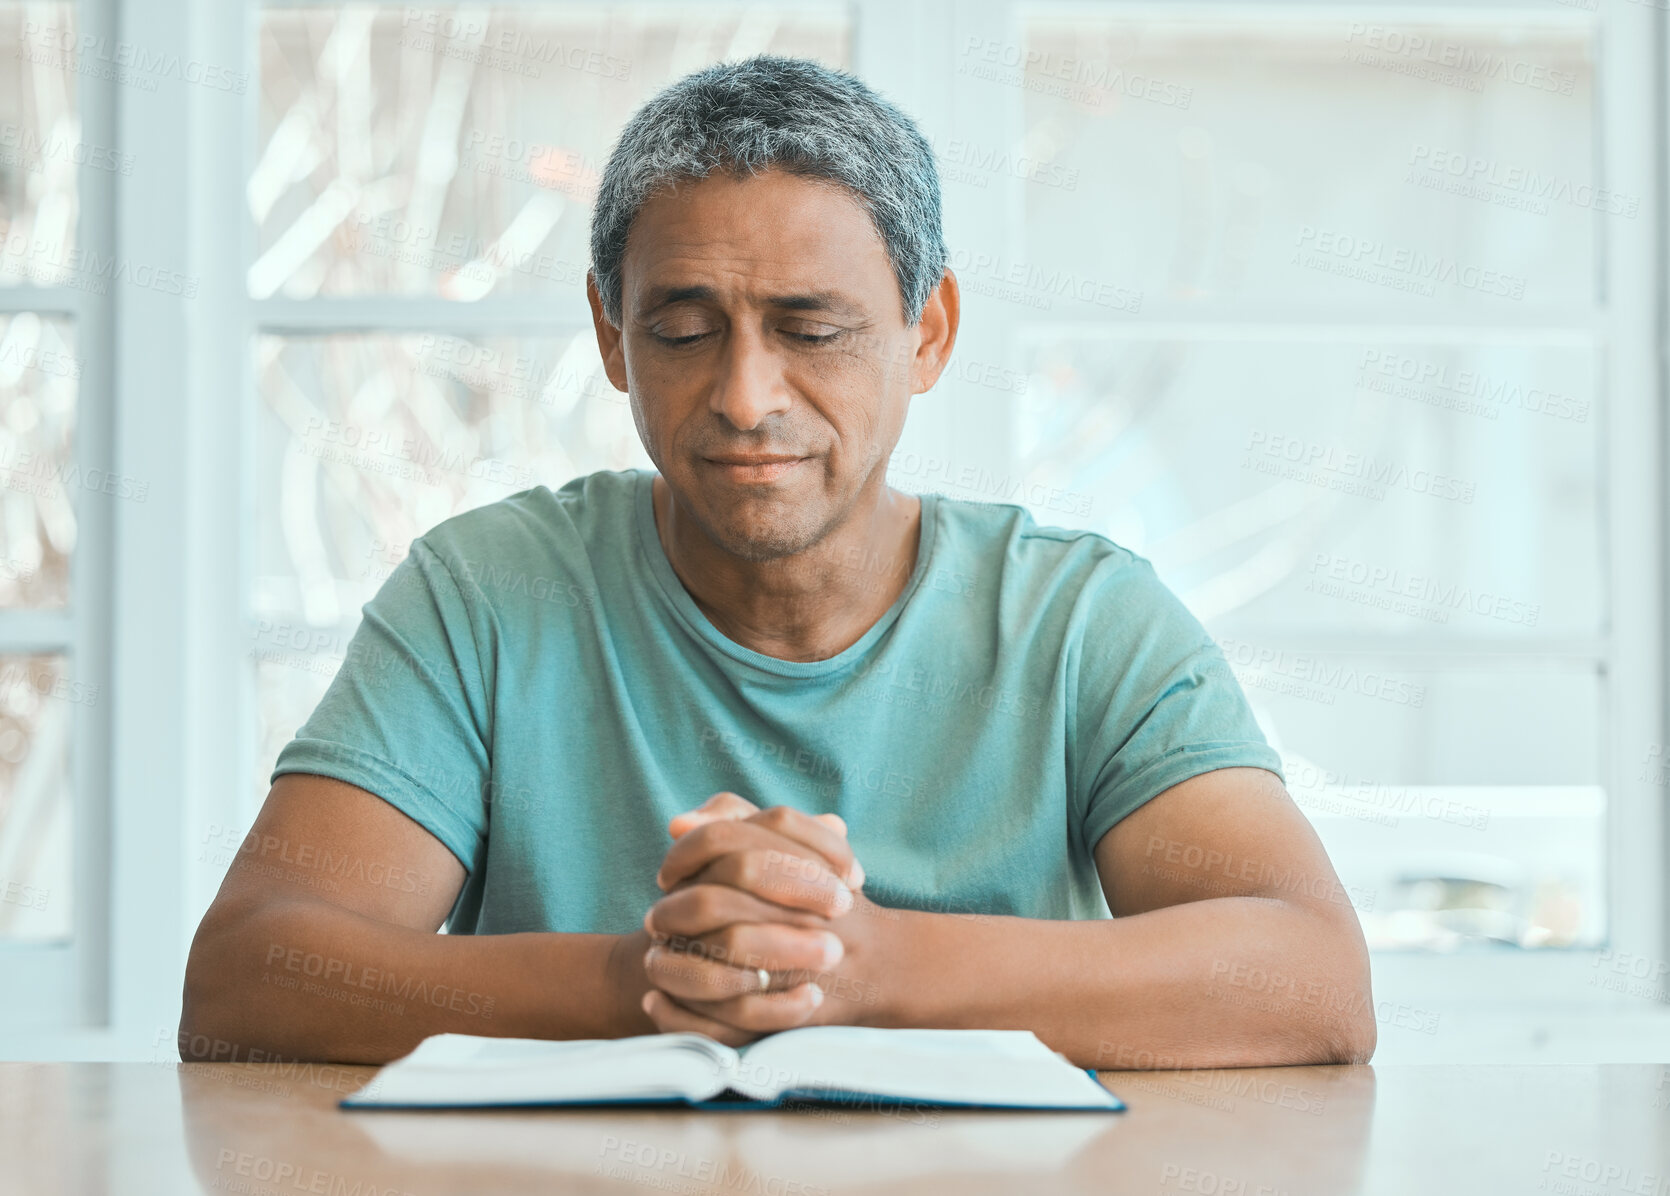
x: 938, y: 331
x: 608, y: 337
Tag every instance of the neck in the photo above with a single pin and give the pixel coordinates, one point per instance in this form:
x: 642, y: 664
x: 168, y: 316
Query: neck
x: 809, y: 606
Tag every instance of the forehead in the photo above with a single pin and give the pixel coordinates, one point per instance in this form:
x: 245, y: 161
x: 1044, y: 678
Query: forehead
x: 753, y: 234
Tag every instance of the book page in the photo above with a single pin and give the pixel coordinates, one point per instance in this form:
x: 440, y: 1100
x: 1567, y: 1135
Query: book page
x: 464, y: 1069
x: 998, y: 1067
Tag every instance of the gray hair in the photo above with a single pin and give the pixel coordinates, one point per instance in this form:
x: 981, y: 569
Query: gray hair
x: 793, y: 114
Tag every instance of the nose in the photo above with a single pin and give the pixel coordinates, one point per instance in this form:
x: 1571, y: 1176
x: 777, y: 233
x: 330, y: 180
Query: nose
x: 750, y: 385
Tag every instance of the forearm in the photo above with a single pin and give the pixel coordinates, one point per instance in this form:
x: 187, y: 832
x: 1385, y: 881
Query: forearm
x: 1227, y: 982
x: 307, y: 979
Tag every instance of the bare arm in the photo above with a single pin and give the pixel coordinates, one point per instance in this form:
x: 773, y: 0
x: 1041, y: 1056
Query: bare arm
x: 322, y: 945
x: 1231, y: 945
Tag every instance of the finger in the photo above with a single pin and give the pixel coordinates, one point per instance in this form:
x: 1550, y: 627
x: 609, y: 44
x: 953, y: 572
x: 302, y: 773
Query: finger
x: 817, y: 834
x: 834, y: 820
x: 749, y: 947
x: 697, y: 909
x: 719, y: 806
x: 768, y: 1012
x: 759, y: 1013
x: 672, y: 1018
x: 788, y: 881
x: 690, y: 977
x: 786, y: 854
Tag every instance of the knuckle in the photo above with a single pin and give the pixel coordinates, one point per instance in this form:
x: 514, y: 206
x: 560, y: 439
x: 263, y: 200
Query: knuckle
x: 753, y: 868
x: 704, y: 901
x: 722, y: 945
x: 715, y: 836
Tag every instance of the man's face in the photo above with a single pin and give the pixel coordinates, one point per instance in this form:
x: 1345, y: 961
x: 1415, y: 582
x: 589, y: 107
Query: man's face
x: 764, y: 348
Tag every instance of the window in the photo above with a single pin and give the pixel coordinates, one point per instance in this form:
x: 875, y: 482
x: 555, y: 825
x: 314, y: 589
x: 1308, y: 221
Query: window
x: 58, y: 495
x: 1343, y: 315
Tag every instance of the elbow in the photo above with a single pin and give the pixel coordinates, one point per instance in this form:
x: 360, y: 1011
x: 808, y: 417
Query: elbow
x: 197, y: 1004
x: 208, y: 1005
x: 1357, y: 1031
x: 1354, y: 1040
x: 1348, y: 1031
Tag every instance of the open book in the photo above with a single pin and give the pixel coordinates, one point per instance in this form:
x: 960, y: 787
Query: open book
x: 997, y: 1069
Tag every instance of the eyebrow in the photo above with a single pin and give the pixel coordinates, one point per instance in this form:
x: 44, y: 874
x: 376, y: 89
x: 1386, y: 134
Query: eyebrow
x: 830, y: 301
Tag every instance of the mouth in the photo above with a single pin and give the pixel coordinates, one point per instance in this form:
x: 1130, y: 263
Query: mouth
x: 756, y: 468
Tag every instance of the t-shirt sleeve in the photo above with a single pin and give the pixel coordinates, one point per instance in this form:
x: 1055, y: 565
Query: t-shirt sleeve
x: 407, y: 716
x: 1157, y: 702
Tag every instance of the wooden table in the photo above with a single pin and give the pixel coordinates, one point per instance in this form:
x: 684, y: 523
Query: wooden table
x: 267, y: 1130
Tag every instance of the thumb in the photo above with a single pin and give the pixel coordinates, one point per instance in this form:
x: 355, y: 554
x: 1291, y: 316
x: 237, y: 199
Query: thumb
x: 715, y: 809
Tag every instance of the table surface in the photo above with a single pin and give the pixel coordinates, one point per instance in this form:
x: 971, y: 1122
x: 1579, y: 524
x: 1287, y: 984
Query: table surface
x: 272, y: 1129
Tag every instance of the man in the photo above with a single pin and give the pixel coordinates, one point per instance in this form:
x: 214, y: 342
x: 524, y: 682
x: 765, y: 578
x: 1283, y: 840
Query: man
x: 939, y: 744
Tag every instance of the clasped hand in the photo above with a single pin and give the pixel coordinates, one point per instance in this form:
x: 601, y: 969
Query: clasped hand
x: 756, y: 894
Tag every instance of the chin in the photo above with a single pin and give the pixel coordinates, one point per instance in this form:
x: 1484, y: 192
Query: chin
x: 753, y: 542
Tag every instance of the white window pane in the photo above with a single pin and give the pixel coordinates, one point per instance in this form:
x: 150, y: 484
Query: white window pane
x: 366, y: 441
x: 38, y: 698
x: 38, y: 382
x: 1462, y: 797
x: 1440, y: 166
x: 455, y: 152
x: 41, y: 151
x: 1368, y: 487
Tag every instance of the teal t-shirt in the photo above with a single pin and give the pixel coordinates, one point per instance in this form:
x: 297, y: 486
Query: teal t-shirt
x: 534, y: 685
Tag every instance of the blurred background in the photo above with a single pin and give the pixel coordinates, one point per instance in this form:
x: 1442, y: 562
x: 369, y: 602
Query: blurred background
x: 1349, y: 317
